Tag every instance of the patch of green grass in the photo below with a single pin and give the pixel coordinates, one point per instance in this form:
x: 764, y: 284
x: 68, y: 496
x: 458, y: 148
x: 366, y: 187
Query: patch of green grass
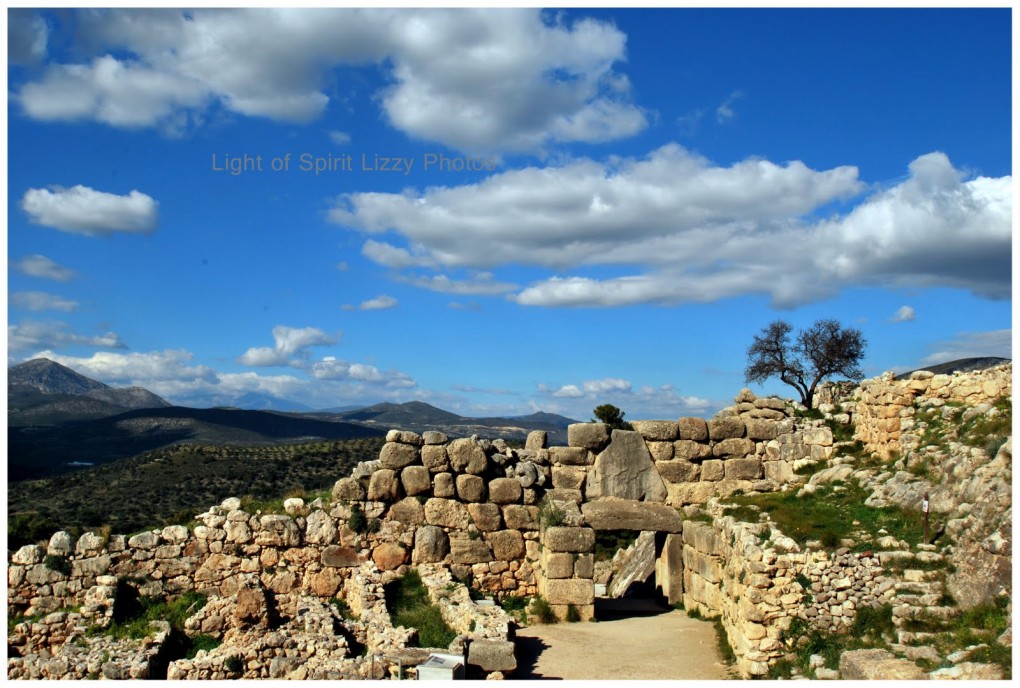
x: 342, y: 607
x: 870, y: 628
x: 550, y: 515
x: 542, y: 611
x: 722, y: 642
x: 133, y: 615
x: 234, y: 664
x: 841, y: 432
x: 573, y: 615
x: 202, y: 642
x: 408, y: 603
x: 514, y: 604
x: 980, y: 624
x: 810, y: 414
x: 58, y: 563
x: 828, y: 515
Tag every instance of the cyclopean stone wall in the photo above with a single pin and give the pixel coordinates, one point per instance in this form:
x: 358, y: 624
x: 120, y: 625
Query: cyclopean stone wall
x: 886, y: 406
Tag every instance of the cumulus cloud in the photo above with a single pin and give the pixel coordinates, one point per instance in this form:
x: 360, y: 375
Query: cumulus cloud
x: 332, y: 368
x: 42, y: 301
x: 903, y: 314
x: 379, y: 303
x: 480, y: 283
x: 693, y: 231
x: 996, y: 343
x: 508, y: 79
x: 37, y: 265
x: 82, y: 210
x: 27, y: 36
x: 646, y: 401
x: 31, y: 335
x: 289, y: 347
x: 339, y: 138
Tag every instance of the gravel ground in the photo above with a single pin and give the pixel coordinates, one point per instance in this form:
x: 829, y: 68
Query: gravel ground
x: 633, y: 639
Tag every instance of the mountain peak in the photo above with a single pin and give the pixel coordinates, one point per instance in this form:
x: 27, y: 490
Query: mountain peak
x: 51, y: 378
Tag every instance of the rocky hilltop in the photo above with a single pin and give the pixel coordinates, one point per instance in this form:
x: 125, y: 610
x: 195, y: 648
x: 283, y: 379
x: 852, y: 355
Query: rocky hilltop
x: 798, y: 531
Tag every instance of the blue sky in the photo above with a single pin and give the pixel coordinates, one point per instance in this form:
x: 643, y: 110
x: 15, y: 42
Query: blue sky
x: 521, y: 210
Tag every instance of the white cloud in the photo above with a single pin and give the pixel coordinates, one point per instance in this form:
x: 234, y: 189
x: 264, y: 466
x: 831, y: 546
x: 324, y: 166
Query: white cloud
x: 339, y: 138
x: 42, y: 301
x: 692, y: 231
x: 289, y: 348
x: 33, y: 335
x: 82, y: 210
x: 481, y: 283
x: 645, y: 402
x: 332, y: 368
x: 509, y: 79
x: 380, y: 302
x: 136, y: 368
x: 724, y: 113
x: 37, y: 265
x: 997, y: 343
x: 903, y: 314
x: 27, y: 36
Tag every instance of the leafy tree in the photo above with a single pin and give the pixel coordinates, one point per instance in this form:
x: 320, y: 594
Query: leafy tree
x: 611, y: 416
x: 823, y: 350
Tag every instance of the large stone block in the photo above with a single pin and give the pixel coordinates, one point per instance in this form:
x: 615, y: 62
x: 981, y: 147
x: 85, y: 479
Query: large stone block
x: 774, y: 403
x: 492, y: 655
x: 689, y: 450
x: 521, y: 517
x: 568, y: 539
x: 433, y: 437
x: 465, y: 550
x: 278, y: 530
x: 471, y: 488
x: 404, y: 437
x: 703, y: 537
x: 684, y: 494
x: 882, y: 665
x: 559, y: 565
x: 444, y: 486
x: 395, y: 455
x: 656, y: 430
x: 761, y: 429
x: 705, y: 565
x: 486, y: 517
x: 348, y: 490
x: 537, y: 439
x: 389, y: 556
x: 467, y: 456
x: 624, y: 514
x: 431, y: 545
x: 384, y: 486
x: 733, y: 446
x: 726, y: 427
x: 415, y: 480
x: 569, y: 456
x: 821, y: 436
x: 408, y: 511
x: 576, y: 591
x: 336, y: 556
x: 446, y: 513
x: 660, y: 451
x: 320, y: 528
x: 505, y: 491
x: 743, y: 469
x: 507, y: 545
x: 433, y: 456
x: 591, y: 436
x: 679, y: 471
x: 691, y: 428
x: 569, y: 477
x: 625, y: 469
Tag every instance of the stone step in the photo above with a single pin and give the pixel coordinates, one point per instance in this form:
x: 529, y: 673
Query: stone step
x: 932, y: 612
x: 918, y: 588
x: 919, y: 600
x: 907, y: 637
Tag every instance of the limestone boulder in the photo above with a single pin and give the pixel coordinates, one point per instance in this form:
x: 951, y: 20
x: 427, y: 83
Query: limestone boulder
x: 404, y: 437
x: 486, y: 517
x: 743, y: 469
x: 251, y: 608
x: 320, y: 528
x: 433, y: 437
x: 882, y: 665
x: 348, y: 490
x: 520, y: 517
x: 415, y: 480
x: 431, y: 545
x: 278, y: 530
x: 591, y: 436
x: 625, y: 469
x: 444, y: 486
x: 447, y: 513
x: 761, y: 429
x: 569, y: 539
x: 395, y: 455
x: 492, y: 655
x: 625, y: 514
x: 505, y: 491
x: 569, y: 477
x: 689, y: 450
x: 537, y: 439
x: 692, y: 428
x: 384, y: 486
x: 434, y: 458
x: 389, y: 556
x: 678, y: 471
x: 60, y: 543
x: 507, y: 545
x: 467, y: 456
x: 467, y: 550
x: 660, y: 451
x: 575, y: 591
x: 656, y: 430
x: 569, y: 456
x: 408, y: 511
x: 726, y: 427
x: 471, y: 488
x: 733, y: 446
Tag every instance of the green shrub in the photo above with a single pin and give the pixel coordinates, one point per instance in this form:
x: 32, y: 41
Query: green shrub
x: 514, y: 604
x: 408, y: 602
x: 342, y: 607
x: 357, y: 521
x: 234, y: 664
x: 723, y: 643
x: 58, y: 563
x: 549, y: 514
x: 542, y: 611
x: 573, y: 616
x: 202, y: 642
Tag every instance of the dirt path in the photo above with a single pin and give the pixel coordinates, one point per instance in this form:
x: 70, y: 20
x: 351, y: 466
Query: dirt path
x: 665, y: 645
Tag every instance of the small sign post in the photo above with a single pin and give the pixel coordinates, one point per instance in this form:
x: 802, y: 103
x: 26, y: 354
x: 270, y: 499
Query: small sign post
x: 924, y: 509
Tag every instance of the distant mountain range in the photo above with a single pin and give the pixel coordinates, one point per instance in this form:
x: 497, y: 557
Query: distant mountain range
x: 60, y: 420
x: 960, y: 365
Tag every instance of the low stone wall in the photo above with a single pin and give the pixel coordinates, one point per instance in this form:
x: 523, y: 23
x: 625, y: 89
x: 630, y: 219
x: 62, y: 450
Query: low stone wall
x: 886, y: 406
